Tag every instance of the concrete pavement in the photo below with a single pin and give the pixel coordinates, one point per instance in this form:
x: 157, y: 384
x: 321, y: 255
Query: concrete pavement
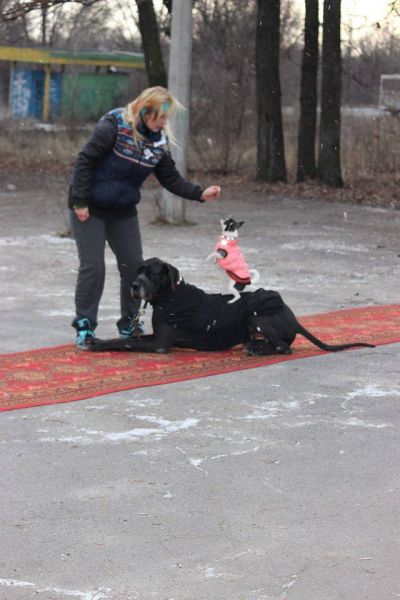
x: 277, y: 483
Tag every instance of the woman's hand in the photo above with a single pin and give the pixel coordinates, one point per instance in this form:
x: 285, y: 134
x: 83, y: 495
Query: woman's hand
x: 82, y: 214
x: 211, y: 193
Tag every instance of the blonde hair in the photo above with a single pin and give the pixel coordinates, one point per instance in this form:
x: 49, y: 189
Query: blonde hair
x: 156, y: 100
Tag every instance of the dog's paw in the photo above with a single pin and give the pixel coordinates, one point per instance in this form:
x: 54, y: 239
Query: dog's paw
x: 258, y: 348
x: 161, y: 350
x: 262, y: 348
x: 97, y: 345
x: 284, y: 350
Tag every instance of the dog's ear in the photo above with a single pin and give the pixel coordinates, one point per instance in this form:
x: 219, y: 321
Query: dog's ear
x: 173, y: 274
x: 239, y: 223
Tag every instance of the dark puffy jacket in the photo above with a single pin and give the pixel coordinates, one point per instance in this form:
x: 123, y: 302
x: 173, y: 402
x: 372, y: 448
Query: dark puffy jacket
x: 112, y: 167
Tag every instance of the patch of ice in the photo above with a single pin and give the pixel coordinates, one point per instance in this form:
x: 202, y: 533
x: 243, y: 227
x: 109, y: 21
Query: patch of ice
x: 196, y: 462
x: 329, y: 246
x: 373, y: 391
x: 33, y: 240
x: 94, y: 436
x: 56, y: 313
x: 143, y: 402
x: 270, y: 410
x: 354, y: 422
x: 169, y: 426
x: 130, y: 435
x: 58, y: 294
x: 96, y: 595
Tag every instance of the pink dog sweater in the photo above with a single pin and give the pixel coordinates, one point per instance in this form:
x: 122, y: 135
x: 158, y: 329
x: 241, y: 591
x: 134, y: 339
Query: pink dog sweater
x: 234, y: 263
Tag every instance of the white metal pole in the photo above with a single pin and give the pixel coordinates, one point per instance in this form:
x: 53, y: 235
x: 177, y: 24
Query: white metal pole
x: 179, y: 77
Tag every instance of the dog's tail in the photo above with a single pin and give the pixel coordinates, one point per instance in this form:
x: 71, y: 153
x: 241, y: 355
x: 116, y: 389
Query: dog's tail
x: 330, y: 348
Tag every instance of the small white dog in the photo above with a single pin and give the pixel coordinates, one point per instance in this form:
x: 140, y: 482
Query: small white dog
x: 229, y: 257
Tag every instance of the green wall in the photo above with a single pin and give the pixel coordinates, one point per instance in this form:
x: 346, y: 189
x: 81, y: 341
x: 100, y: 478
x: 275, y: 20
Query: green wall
x: 87, y: 96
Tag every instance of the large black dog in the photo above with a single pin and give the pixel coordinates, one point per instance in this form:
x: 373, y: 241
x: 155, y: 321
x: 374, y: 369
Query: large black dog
x: 187, y: 317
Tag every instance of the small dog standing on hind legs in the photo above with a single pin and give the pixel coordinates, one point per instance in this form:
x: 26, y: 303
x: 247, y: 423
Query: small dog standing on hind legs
x: 229, y: 257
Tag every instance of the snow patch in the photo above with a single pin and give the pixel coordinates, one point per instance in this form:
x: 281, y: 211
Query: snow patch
x: 92, y: 436
x: 96, y: 595
x: 372, y: 391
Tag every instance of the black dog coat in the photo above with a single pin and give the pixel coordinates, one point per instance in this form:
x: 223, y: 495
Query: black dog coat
x: 215, y: 324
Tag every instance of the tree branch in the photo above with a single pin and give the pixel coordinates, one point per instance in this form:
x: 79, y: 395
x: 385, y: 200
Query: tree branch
x: 16, y: 10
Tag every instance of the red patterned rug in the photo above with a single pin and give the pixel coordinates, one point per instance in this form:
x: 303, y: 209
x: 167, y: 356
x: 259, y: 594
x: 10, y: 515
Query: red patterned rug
x: 64, y: 374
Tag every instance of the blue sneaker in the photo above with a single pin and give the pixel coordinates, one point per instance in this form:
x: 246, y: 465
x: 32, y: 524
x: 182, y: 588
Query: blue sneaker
x: 134, y: 329
x: 85, y: 333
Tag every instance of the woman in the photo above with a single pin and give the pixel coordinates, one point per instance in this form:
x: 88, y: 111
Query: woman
x: 126, y: 146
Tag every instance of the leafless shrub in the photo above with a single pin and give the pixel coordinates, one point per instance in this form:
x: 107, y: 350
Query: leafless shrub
x: 371, y: 145
x: 223, y: 116
x: 222, y: 81
x: 24, y: 147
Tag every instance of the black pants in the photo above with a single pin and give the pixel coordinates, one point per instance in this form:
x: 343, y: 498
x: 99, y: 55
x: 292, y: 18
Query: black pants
x: 123, y: 237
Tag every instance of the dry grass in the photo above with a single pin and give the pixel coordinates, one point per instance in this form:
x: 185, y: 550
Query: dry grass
x: 371, y: 146
x: 25, y: 149
x: 370, y: 158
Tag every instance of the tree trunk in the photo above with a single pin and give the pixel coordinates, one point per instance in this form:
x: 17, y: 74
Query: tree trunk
x: 329, y: 170
x: 44, y: 25
x: 270, y: 145
x: 306, y: 163
x: 148, y: 26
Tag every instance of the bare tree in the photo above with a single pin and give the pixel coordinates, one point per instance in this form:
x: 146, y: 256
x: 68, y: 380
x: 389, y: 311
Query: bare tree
x: 270, y: 145
x: 16, y: 9
x: 222, y: 115
x: 329, y: 168
x: 394, y: 6
x: 48, y: 17
x: 19, y: 10
x: 306, y: 164
x: 149, y: 31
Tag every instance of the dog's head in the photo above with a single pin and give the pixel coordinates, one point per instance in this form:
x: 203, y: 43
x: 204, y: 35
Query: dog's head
x: 154, y: 277
x: 230, y: 227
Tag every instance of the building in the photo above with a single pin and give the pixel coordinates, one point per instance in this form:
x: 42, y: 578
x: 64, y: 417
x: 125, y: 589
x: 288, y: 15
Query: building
x: 42, y: 87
